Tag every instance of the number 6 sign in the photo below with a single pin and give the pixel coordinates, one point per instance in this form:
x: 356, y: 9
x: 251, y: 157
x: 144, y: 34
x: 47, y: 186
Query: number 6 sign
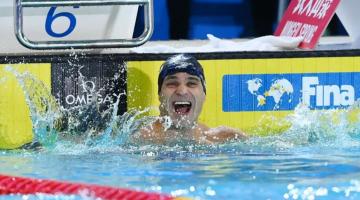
x: 92, y: 24
x: 51, y: 16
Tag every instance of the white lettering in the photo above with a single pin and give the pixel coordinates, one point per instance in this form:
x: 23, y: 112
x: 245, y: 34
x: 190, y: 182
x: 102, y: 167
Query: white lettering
x: 107, y: 99
x: 323, y: 9
x: 308, y: 7
x: 326, y: 95
x: 333, y: 90
x: 307, y: 90
x: 291, y: 29
x: 81, y: 99
x: 347, y: 95
x: 70, y: 99
x: 307, y: 32
x: 316, y: 8
x: 86, y: 99
x: 319, y: 95
x: 312, y: 8
x: 299, y: 7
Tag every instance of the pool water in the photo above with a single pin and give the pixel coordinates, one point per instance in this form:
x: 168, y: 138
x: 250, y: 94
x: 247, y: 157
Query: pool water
x: 221, y: 173
x: 317, y: 158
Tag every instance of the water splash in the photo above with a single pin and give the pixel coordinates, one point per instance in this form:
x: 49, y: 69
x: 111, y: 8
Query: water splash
x: 84, y: 124
x: 319, y: 128
x: 43, y: 106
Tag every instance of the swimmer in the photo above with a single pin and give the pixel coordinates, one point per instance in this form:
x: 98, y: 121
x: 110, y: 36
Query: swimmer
x: 182, y: 93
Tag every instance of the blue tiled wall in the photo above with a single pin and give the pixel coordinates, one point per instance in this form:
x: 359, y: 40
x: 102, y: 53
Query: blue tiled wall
x: 222, y: 18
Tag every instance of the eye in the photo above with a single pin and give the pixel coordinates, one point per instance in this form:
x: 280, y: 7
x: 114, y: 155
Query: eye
x: 171, y: 84
x: 192, y: 84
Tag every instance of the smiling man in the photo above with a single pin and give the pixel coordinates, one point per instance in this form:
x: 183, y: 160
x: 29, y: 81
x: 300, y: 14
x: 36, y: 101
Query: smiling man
x: 182, y: 93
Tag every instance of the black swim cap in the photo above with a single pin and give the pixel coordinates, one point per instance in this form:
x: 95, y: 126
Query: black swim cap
x: 181, y: 63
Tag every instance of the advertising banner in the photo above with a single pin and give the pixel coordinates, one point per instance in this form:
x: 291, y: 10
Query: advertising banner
x: 246, y: 92
x: 256, y: 95
x: 80, y: 82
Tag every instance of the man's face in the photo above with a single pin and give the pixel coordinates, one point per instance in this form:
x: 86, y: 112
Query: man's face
x: 181, y: 98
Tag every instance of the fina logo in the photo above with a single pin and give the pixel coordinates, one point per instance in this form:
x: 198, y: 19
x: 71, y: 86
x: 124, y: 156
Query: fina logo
x: 89, y: 89
x: 343, y: 95
x: 313, y: 93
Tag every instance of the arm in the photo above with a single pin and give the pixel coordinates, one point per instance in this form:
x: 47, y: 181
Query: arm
x: 224, y: 134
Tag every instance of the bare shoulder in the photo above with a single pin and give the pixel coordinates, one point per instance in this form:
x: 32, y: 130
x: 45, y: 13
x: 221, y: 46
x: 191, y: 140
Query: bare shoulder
x: 223, y: 134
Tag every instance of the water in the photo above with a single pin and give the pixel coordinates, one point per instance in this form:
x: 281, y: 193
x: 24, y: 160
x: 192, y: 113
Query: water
x: 317, y: 158
x: 309, y: 173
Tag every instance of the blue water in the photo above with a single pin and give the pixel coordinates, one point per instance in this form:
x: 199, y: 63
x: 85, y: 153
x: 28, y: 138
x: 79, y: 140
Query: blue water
x: 309, y: 173
x: 317, y: 158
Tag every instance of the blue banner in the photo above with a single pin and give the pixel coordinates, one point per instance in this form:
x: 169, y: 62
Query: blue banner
x: 269, y: 92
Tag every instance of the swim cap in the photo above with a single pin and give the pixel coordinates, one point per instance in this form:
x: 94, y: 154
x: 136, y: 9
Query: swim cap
x: 181, y: 63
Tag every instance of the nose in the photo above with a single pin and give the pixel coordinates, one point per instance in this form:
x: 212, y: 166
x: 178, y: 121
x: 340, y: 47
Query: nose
x: 181, y: 89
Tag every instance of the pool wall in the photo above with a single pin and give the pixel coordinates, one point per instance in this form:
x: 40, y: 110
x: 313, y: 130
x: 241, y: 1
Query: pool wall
x: 252, y: 91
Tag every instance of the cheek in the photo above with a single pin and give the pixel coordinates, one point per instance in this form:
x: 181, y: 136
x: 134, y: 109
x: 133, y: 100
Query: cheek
x: 166, y: 91
x: 200, y: 99
x: 164, y: 97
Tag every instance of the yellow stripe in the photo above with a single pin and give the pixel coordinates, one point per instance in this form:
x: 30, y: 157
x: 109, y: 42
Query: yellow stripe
x: 15, y: 122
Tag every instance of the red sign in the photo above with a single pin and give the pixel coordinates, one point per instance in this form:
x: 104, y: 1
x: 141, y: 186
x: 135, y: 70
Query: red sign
x: 307, y: 18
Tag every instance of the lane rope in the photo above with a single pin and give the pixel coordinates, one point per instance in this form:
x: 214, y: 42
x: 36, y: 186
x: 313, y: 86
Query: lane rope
x: 27, y: 186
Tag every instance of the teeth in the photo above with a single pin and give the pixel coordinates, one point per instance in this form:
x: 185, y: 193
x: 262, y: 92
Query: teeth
x: 182, y: 103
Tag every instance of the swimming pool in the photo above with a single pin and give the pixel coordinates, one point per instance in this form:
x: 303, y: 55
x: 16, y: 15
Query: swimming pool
x: 315, y: 158
x: 235, y: 171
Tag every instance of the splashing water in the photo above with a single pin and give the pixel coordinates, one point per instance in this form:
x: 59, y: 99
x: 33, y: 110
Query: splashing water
x: 43, y: 107
x: 86, y: 125
x: 316, y: 128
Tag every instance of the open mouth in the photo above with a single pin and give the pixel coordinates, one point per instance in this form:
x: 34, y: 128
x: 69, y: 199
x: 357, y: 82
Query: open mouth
x: 182, y: 107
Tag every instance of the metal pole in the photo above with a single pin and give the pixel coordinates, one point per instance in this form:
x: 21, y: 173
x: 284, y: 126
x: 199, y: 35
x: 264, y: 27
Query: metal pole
x: 47, y: 3
x: 281, y: 9
x: 82, y: 44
